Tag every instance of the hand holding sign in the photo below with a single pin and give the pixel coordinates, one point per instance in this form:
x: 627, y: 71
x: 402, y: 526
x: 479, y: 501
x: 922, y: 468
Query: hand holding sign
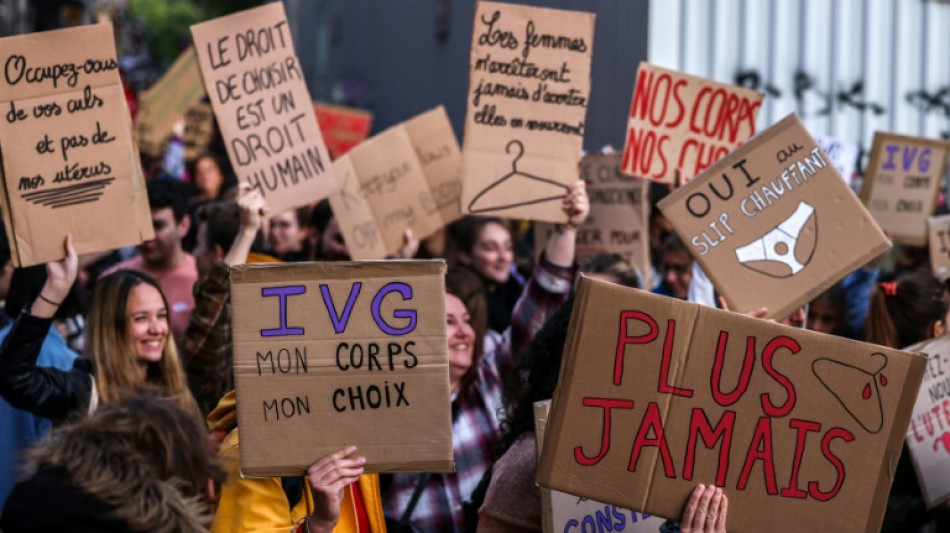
x: 705, y: 511
x: 328, y: 478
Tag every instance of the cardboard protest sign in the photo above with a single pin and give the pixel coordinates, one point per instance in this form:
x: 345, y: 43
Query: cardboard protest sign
x: 199, y: 130
x: 167, y: 101
x: 259, y: 94
x: 404, y: 177
x: 842, y: 154
x: 619, y: 215
x: 342, y: 127
x: 563, y: 512
x: 340, y: 353
x: 901, y: 184
x: 684, y: 123
x: 939, y: 240
x: 928, y: 437
x: 773, y: 224
x: 528, y: 90
x: 69, y: 164
x: 657, y: 395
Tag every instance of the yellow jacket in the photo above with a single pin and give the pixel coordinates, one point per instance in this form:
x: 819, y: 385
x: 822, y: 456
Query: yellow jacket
x: 260, y: 505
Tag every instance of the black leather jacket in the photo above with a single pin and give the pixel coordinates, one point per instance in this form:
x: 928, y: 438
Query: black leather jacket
x: 45, y: 392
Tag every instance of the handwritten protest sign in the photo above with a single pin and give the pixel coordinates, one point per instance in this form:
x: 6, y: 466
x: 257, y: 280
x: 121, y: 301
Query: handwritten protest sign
x: 928, y: 437
x: 567, y: 513
x: 342, y: 127
x: 773, y: 224
x: 656, y: 395
x: 340, y: 353
x: 199, y: 130
x: 842, y: 154
x: 405, y: 177
x: 69, y: 163
x: 167, y: 101
x: 939, y: 240
x: 685, y: 123
x: 619, y: 215
x: 259, y: 94
x: 528, y: 90
x: 900, y: 188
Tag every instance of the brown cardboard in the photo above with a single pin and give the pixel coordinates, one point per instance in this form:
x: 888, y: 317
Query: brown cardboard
x: 434, y: 140
x: 259, y: 94
x: 928, y: 436
x: 529, y: 86
x: 342, y: 127
x: 619, y: 215
x: 773, y: 224
x: 199, y: 130
x: 901, y: 184
x: 684, y: 123
x: 295, y: 327
x: 78, y: 106
x: 167, y: 101
x: 562, y: 512
x: 404, y: 177
x: 826, y: 414
x: 939, y: 238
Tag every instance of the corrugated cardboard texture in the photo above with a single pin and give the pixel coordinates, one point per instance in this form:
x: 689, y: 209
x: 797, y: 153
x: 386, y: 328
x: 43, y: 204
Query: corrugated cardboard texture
x: 392, y: 182
x: 69, y: 163
x: 684, y: 123
x: 166, y: 101
x: 901, y: 184
x: 342, y: 127
x: 259, y: 95
x: 773, y: 224
x: 826, y: 415
x: 619, y: 216
x: 527, y: 103
x: 562, y: 512
x: 372, y: 372
x: 938, y: 238
x: 928, y: 436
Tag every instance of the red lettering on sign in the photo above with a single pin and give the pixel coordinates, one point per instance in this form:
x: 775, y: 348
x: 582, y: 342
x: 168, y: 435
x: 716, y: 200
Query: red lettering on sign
x: 774, y: 345
x: 813, y: 489
x: 651, y: 421
x: 699, y: 426
x: 748, y: 362
x: 760, y: 449
x: 623, y: 340
x: 606, y: 404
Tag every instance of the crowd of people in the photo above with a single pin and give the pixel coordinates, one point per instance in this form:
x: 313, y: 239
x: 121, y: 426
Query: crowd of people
x: 118, y: 403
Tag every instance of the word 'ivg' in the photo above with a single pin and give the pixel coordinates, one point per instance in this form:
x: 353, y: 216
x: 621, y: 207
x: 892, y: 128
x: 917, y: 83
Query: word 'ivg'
x: 341, y: 319
x: 722, y: 434
x: 907, y: 156
x: 611, y: 518
x: 372, y: 397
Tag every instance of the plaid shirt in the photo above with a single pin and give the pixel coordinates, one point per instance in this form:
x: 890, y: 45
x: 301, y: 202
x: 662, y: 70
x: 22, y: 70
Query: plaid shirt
x: 206, y: 343
x: 476, y: 422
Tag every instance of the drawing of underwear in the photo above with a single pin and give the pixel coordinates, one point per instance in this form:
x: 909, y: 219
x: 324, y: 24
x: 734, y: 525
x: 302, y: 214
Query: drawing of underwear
x: 787, y: 248
x: 856, y: 387
x: 516, y: 188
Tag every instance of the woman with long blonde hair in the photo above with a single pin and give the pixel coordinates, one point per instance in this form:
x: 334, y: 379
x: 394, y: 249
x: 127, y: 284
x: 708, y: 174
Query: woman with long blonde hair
x: 127, y: 344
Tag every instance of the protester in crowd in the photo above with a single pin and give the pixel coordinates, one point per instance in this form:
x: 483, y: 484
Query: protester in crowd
x: 326, y: 239
x: 163, y: 257
x: 676, y: 267
x: 828, y: 312
x: 20, y: 429
x: 476, y: 372
x: 903, y: 312
x: 513, y: 500
x: 127, y: 344
x: 485, y: 246
x: 227, y: 234
x: 209, y: 177
x: 613, y: 268
x: 288, y: 235
x: 140, y: 463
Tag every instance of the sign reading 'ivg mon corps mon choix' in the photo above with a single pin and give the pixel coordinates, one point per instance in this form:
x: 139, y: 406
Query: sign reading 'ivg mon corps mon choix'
x: 657, y: 395
x: 684, y: 123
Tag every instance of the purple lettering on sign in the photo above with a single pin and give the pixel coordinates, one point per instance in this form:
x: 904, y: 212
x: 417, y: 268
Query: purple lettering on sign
x: 406, y: 292
x: 340, y: 322
x: 282, y: 293
x: 891, y: 149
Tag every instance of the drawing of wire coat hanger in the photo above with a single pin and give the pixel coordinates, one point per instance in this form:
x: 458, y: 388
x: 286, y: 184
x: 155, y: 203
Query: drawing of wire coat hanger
x: 510, y: 190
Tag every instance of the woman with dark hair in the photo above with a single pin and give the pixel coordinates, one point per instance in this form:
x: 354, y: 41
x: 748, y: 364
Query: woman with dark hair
x: 139, y: 464
x: 485, y: 246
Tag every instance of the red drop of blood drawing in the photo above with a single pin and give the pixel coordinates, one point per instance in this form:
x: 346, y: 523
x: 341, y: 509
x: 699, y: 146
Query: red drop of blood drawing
x: 867, y: 391
x: 883, y: 380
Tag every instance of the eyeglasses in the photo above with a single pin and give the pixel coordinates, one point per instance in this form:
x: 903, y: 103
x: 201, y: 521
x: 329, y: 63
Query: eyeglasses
x: 676, y: 269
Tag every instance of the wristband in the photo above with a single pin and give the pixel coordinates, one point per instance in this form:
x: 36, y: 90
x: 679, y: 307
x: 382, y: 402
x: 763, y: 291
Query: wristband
x: 47, y: 300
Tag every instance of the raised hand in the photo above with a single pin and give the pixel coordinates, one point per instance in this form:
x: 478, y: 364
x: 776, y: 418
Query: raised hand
x: 328, y: 478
